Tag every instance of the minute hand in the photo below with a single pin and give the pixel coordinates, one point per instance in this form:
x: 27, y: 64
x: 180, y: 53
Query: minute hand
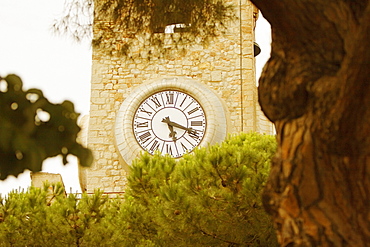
x: 189, y: 130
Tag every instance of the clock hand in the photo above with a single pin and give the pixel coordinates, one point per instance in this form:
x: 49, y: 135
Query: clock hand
x: 172, y: 133
x: 169, y: 122
x: 170, y: 127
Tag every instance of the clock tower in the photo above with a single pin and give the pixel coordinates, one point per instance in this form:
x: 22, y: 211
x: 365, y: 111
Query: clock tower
x: 171, y: 104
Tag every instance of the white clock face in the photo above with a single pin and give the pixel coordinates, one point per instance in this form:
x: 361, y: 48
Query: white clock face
x: 171, y: 122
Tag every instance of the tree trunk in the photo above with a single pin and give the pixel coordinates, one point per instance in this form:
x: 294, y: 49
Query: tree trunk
x: 316, y: 89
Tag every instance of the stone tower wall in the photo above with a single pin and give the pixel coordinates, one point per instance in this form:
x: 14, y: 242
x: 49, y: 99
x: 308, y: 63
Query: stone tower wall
x: 226, y: 65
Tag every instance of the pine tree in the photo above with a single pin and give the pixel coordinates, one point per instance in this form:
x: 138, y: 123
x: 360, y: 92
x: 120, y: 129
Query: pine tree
x: 209, y: 198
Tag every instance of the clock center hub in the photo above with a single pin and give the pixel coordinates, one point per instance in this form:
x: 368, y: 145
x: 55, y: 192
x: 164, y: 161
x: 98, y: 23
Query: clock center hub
x: 161, y: 129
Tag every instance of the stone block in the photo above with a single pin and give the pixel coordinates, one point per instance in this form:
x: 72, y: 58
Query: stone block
x: 216, y: 76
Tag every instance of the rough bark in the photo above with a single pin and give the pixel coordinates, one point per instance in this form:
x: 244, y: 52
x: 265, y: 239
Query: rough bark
x: 316, y: 89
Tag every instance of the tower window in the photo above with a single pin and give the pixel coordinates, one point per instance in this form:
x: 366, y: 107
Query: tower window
x: 174, y: 22
x: 177, y: 28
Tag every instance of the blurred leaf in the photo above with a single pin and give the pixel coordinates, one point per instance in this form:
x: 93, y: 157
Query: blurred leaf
x: 32, y: 129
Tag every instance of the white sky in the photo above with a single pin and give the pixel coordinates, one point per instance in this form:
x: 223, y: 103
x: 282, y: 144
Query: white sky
x: 58, y: 66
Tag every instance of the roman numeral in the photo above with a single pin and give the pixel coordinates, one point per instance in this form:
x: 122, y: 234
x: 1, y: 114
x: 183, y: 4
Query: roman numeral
x: 169, y: 149
x: 184, y: 148
x: 147, y: 112
x: 145, y: 137
x: 169, y: 98
x: 194, y: 110
x: 142, y: 125
x: 155, y: 101
x: 193, y: 134
x: 183, y: 101
x: 196, y: 123
x: 154, y: 146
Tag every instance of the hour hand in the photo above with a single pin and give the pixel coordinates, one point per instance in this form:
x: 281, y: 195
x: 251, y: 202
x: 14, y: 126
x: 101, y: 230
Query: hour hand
x: 170, y: 127
x: 172, y: 133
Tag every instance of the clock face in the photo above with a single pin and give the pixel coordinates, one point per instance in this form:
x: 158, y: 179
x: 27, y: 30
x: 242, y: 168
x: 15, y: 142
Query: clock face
x: 169, y: 121
x: 170, y: 114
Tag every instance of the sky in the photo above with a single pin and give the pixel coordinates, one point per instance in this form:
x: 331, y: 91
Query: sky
x: 59, y: 66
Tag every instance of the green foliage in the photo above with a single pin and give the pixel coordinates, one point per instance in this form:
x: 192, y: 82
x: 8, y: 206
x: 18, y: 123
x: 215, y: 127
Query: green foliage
x: 141, y: 22
x: 25, y: 217
x: 33, y: 129
x: 47, y: 217
x: 209, y: 198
